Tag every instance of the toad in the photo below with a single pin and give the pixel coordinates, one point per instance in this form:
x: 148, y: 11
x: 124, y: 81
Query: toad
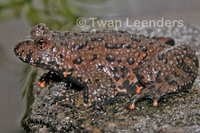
x: 105, y: 63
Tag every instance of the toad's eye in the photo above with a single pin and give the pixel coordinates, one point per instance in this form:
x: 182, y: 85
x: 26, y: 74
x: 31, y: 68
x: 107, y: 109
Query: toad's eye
x: 43, y: 43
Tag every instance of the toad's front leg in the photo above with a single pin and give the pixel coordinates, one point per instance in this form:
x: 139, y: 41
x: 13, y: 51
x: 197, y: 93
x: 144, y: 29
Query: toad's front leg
x: 97, y: 86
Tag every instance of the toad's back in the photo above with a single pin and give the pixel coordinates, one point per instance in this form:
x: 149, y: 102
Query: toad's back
x: 107, y: 62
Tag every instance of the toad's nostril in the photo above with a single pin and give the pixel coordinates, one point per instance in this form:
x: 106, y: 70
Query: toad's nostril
x: 16, y: 48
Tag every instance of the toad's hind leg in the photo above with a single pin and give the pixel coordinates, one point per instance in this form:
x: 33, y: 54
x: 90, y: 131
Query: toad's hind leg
x: 157, y: 90
x: 169, y: 71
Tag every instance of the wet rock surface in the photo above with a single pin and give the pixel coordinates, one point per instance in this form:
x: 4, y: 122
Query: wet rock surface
x: 176, y: 113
